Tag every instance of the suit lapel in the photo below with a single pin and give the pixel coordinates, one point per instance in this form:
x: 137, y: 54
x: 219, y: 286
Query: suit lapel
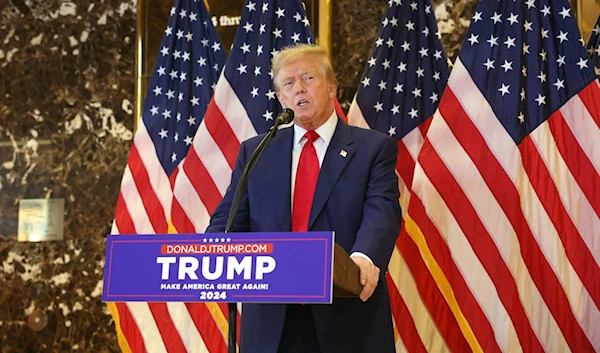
x: 280, y: 171
x: 337, y: 157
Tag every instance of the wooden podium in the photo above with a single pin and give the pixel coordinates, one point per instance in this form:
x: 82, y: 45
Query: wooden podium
x: 346, y: 274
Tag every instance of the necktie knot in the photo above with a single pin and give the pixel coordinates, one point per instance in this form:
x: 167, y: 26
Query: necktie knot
x: 312, y: 136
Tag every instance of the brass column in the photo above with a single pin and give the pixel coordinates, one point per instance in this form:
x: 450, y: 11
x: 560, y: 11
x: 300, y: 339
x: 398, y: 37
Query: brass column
x: 324, y: 35
x: 140, y: 34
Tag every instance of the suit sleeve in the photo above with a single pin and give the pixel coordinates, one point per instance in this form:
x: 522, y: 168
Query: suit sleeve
x: 380, y: 225
x: 218, y: 220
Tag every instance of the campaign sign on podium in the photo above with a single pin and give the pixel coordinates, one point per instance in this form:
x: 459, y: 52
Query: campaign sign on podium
x: 232, y: 267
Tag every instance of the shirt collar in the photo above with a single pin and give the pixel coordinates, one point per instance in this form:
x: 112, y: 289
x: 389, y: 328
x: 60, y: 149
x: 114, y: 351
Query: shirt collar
x: 325, y: 131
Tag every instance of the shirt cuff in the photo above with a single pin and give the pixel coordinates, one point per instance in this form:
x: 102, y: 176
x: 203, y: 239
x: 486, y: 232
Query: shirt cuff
x: 359, y: 254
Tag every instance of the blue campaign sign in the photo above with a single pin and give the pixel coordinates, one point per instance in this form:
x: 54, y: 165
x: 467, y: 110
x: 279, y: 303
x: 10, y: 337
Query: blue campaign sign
x: 232, y: 267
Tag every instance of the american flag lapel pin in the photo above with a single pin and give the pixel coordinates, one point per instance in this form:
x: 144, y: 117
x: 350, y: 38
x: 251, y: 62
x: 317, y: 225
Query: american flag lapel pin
x: 343, y: 153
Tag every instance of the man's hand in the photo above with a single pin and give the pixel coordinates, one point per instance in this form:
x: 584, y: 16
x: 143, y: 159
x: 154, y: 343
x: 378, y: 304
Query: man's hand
x: 369, y: 276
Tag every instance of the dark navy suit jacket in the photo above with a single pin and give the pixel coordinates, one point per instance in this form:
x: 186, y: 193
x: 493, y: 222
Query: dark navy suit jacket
x: 357, y: 197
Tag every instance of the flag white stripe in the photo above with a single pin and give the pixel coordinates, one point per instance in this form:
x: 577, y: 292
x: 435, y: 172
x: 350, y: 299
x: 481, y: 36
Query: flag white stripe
x: 190, y: 201
x: 404, y: 196
x: 184, y: 324
x: 400, y: 348
x: 356, y: 117
x: 572, y: 197
x: 424, y: 324
x: 413, y: 142
x: 585, y: 220
x: 133, y: 202
x: 156, y: 174
x: 212, y: 158
x: 145, y: 322
x: 114, y: 229
x: 498, y: 226
x: 233, y: 110
x: 584, y: 129
x: 547, y: 239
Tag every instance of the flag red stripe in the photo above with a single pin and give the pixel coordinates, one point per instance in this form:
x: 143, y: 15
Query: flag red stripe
x: 210, y: 332
x: 588, y: 179
x: 470, y: 308
x: 130, y: 329
x: 508, y: 197
x: 424, y: 126
x: 589, y: 96
x: 151, y: 202
x: 225, y: 310
x: 576, y: 160
x: 221, y: 132
x: 123, y: 218
x: 480, y: 240
x: 431, y: 295
x: 404, y: 321
x: 173, y: 178
x: 405, y: 165
x: 180, y: 220
x: 202, y: 181
x: 548, y: 194
x: 168, y: 332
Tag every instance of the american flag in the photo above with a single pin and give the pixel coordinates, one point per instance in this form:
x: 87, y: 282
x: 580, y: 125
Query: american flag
x: 400, y: 90
x: 505, y: 204
x: 593, y: 47
x: 190, y: 60
x: 244, y: 104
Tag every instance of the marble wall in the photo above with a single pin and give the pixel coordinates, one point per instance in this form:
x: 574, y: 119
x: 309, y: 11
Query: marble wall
x: 66, y: 121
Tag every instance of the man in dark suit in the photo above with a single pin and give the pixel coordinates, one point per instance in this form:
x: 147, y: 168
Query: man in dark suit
x: 320, y: 175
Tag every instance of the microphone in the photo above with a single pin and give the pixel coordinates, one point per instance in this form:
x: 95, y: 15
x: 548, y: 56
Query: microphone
x: 285, y: 117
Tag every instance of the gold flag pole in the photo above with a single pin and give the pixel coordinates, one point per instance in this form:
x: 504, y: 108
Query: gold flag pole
x: 140, y: 31
x: 324, y: 35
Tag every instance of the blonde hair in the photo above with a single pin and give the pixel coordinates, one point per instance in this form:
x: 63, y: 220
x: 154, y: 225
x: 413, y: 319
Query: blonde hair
x: 299, y: 51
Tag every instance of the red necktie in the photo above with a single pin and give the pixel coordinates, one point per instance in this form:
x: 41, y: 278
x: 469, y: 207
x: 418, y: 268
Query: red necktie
x: 305, y: 184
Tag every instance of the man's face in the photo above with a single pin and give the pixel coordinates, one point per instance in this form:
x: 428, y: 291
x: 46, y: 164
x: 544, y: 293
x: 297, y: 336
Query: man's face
x: 304, y: 89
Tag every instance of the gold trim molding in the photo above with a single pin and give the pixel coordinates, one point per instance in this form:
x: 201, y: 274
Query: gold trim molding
x: 324, y: 28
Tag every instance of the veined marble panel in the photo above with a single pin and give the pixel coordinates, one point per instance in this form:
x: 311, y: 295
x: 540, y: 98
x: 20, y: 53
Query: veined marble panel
x: 66, y: 120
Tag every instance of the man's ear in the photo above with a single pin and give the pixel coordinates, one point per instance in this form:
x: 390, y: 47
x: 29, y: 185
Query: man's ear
x: 280, y: 100
x: 332, y: 91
